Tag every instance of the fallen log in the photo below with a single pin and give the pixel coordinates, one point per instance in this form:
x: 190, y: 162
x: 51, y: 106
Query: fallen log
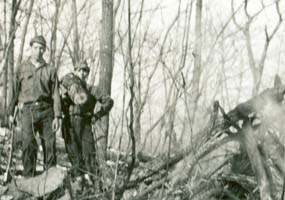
x: 246, y: 182
x: 43, y: 184
x: 261, y: 141
x: 256, y: 161
x: 169, y: 177
x: 213, y: 129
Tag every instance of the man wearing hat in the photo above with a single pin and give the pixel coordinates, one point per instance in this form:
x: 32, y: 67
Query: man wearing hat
x: 37, y: 94
x: 78, y: 119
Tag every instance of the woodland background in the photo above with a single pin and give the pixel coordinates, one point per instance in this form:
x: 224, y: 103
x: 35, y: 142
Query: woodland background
x: 164, y: 62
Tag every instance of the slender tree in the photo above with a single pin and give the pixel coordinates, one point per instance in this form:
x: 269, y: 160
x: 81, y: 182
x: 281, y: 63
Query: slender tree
x: 9, y: 60
x: 76, y: 50
x: 257, y: 67
x: 3, y: 63
x: 106, y: 72
x: 53, y: 39
x: 24, y: 33
x: 195, y: 82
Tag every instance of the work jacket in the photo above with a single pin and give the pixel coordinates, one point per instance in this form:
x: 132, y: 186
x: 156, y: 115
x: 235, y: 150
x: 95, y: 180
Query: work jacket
x: 36, y: 85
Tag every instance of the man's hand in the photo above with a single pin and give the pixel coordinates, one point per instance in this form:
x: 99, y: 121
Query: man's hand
x: 11, y: 121
x: 56, y: 124
x: 95, y: 118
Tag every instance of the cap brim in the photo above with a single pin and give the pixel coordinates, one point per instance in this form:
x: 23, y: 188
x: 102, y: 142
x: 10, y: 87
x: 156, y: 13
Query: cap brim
x: 31, y: 43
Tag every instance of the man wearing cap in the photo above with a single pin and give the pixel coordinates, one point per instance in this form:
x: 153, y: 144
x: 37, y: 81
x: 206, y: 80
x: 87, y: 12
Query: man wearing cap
x: 78, y: 119
x: 37, y: 94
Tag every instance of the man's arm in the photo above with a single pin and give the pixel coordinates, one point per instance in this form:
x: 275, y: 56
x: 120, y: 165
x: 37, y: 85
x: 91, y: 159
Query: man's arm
x: 16, y: 92
x: 56, y: 123
x: 105, y: 100
x: 56, y: 96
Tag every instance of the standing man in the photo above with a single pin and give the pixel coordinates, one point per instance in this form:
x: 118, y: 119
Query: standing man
x: 78, y: 119
x: 37, y: 95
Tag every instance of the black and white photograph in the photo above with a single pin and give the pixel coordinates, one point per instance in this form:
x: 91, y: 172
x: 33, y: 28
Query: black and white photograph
x: 142, y: 100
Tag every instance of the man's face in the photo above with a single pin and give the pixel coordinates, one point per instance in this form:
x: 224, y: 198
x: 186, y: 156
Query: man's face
x: 82, y: 73
x: 38, y: 51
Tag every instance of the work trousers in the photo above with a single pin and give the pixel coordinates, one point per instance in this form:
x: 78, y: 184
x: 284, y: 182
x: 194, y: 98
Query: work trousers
x: 80, y: 145
x: 37, y: 117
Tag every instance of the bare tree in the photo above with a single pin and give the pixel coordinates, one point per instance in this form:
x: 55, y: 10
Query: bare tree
x: 76, y: 47
x: 195, y: 82
x: 9, y: 61
x: 53, y: 40
x: 131, y: 166
x: 106, y: 72
x: 4, y: 63
x: 257, y: 67
x: 24, y: 33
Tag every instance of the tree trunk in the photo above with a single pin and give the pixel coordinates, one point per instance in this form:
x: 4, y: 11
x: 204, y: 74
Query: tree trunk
x: 256, y: 161
x: 10, y: 50
x: 106, y: 72
x: 257, y: 68
x: 137, y: 109
x: 20, y: 57
x: 3, y: 62
x: 76, y: 50
x: 53, y: 39
x: 1, y: 46
x: 255, y: 72
x: 197, y: 60
x: 137, y: 121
